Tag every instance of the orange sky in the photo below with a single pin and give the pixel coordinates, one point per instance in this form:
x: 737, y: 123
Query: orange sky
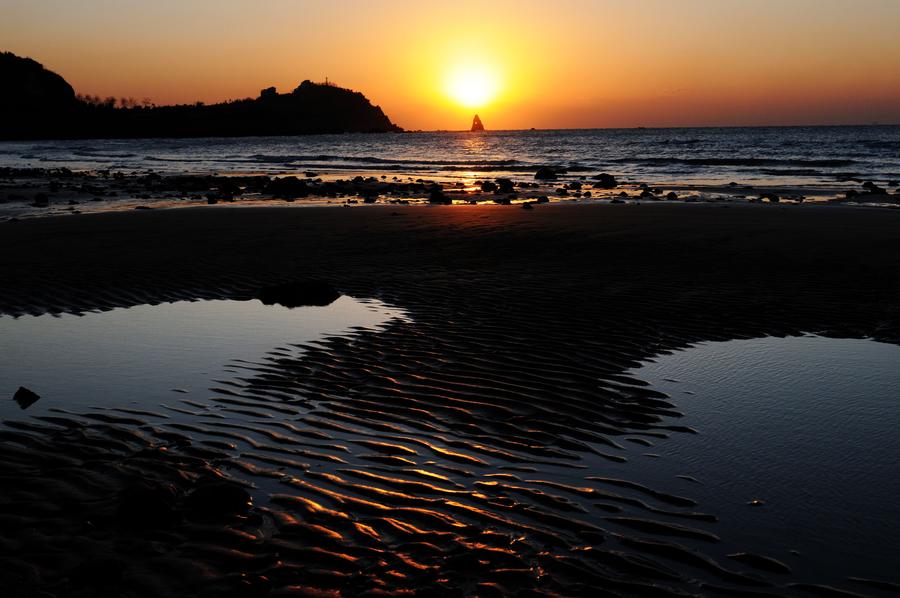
x: 567, y: 63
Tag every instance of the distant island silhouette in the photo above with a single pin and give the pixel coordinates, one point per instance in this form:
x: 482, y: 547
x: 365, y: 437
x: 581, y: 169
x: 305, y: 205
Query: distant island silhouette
x: 39, y: 104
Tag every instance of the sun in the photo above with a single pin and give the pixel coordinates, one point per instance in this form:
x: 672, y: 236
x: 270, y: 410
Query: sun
x: 472, y: 86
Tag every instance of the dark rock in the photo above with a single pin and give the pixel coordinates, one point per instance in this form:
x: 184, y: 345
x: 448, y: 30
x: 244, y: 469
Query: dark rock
x: 505, y: 185
x: 298, y: 294
x: 41, y: 200
x: 488, y: 187
x: 647, y: 194
x: 503, y: 201
x: 605, y: 181
x: 148, y: 505
x: 217, y: 500
x: 25, y: 397
x: 289, y: 187
x: 436, y: 195
x: 562, y: 191
x: 575, y: 186
x: 771, y: 197
x: 310, y: 174
x: 542, y: 199
x: 872, y: 188
x: 851, y: 193
x: 142, y: 208
x: 212, y: 200
x: 545, y: 173
x: 671, y: 196
x: 527, y: 206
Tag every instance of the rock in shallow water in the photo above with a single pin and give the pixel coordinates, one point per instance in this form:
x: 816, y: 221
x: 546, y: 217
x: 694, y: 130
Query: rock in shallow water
x: 605, y: 181
x: 299, y: 294
x: 25, y: 397
x: 545, y: 173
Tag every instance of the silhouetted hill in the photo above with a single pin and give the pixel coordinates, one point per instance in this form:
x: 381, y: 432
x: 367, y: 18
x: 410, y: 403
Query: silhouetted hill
x: 31, y: 97
x: 37, y: 104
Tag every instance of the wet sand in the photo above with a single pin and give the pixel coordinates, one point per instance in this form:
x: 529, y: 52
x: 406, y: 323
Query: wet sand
x: 428, y: 456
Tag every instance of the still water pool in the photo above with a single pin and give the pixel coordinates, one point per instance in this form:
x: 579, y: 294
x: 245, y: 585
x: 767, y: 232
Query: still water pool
x: 809, y: 426
x: 140, y: 356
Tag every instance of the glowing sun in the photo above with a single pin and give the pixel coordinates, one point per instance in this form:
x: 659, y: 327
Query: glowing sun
x: 472, y: 86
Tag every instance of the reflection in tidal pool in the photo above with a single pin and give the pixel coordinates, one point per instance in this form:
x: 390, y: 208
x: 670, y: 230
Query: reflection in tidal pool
x: 136, y: 357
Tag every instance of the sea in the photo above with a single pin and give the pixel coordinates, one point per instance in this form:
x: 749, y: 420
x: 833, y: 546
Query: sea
x: 828, y: 159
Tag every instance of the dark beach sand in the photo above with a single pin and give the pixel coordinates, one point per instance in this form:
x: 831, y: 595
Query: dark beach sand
x: 522, y: 322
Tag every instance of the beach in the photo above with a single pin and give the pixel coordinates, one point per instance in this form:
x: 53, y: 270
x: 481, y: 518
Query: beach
x: 736, y: 164
x: 457, y: 425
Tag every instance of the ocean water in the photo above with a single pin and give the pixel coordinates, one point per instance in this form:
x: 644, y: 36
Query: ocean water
x: 788, y: 156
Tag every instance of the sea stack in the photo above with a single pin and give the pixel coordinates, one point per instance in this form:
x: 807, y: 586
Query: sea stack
x: 476, y: 124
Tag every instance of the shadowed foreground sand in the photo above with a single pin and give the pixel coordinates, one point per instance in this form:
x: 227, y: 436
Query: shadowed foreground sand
x: 450, y: 426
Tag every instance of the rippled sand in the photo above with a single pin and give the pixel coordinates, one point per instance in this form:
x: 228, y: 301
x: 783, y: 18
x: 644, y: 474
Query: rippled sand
x: 445, y: 454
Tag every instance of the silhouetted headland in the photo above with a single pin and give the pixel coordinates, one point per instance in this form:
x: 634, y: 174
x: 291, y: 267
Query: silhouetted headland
x: 40, y: 104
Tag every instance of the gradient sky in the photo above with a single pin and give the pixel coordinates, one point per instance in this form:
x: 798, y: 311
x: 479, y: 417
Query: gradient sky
x: 559, y: 64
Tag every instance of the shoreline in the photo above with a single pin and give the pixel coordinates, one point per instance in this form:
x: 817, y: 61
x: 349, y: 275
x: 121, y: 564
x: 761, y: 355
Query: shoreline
x: 41, y: 192
x: 541, y: 310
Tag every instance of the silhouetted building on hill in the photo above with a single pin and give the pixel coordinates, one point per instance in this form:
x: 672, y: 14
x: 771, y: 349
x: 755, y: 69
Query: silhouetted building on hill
x: 36, y: 103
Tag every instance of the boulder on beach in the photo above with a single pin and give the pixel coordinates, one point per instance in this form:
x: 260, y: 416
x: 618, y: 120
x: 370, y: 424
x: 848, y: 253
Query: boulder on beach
x: 288, y: 187
x: 25, y: 397
x: 505, y: 185
x: 299, y: 294
x: 436, y: 195
x: 874, y: 189
x: 605, y: 181
x: 488, y: 187
x: 545, y: 173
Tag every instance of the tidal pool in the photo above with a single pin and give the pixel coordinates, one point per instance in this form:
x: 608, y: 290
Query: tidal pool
x: 140, y: 356
x: 809, y: 426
